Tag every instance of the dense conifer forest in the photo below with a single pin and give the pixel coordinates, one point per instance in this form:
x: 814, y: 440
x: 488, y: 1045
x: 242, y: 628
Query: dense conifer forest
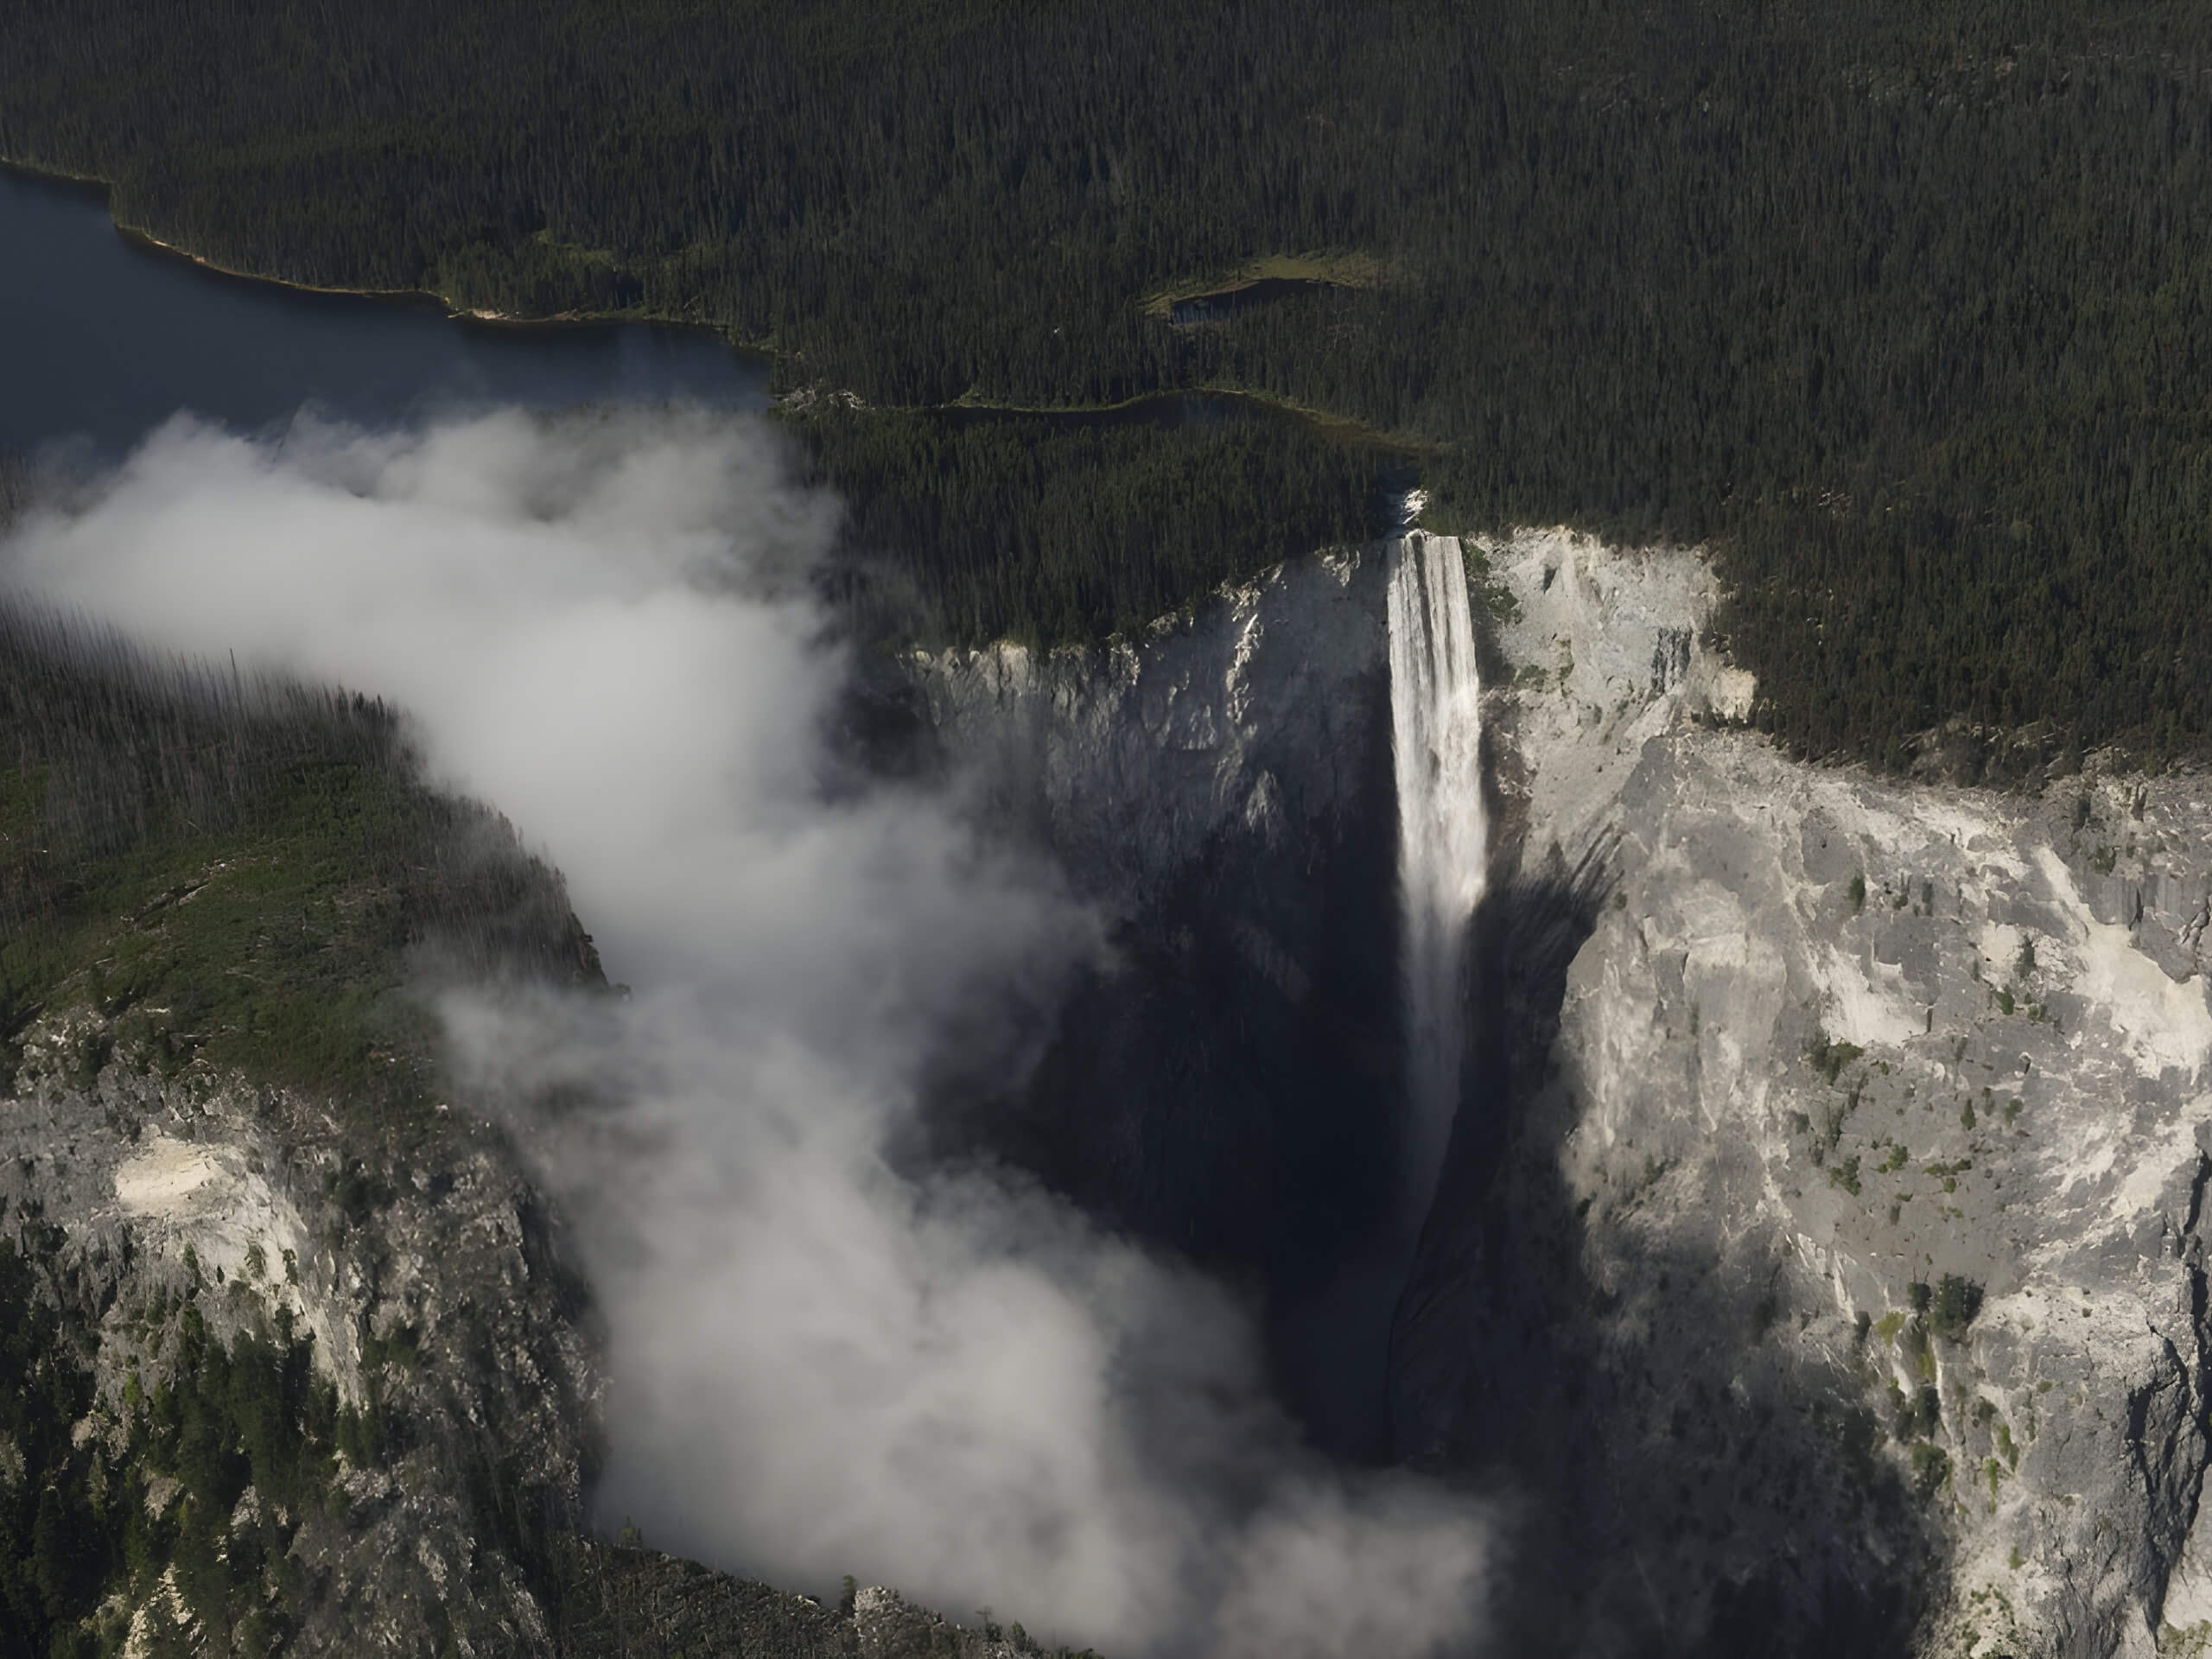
x: 1901, y: 306
x: 965, y: 524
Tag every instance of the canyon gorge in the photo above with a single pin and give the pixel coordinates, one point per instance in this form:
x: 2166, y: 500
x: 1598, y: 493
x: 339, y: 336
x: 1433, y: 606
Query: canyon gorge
x: 1779, y: 1211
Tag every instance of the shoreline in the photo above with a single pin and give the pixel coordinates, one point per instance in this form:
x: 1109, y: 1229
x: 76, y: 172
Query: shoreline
x: 1341, y: 427
x: 140, y: 237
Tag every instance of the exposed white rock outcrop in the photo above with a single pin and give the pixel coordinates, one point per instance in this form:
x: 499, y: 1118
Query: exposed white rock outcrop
x: 1902, y: 1033
x: 176, y: 1195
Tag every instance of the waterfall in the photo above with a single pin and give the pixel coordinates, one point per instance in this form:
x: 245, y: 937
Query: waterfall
x: 1436, y: 746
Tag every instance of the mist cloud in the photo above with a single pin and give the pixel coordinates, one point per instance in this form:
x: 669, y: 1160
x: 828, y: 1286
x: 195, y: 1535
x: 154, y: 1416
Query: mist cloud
x: 821, y: 1362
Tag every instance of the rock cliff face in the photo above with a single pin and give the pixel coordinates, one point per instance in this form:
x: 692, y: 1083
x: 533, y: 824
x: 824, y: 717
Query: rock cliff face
x: 1819, y: 1246
x: 1254, y: 715
x: 179, y: 1228
x: 1229, y: 1086
x: 1860, y: 1100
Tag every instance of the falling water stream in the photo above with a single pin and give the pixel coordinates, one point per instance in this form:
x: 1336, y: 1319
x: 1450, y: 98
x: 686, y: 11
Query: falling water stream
x: 1436, y: 746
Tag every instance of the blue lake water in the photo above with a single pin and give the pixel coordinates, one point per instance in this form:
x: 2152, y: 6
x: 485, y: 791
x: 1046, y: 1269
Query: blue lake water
x: 103, y: 338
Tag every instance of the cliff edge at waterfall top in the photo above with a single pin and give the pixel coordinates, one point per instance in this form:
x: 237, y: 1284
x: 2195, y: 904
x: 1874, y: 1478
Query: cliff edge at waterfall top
x: 1316, y: 831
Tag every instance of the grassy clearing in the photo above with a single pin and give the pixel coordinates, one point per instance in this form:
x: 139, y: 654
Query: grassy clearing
x: 247, y: 875
x: 1339, y: 268
x: 277, y: 949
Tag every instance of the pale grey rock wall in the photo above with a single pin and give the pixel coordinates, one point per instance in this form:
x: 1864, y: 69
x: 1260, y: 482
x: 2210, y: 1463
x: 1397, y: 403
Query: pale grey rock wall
x: 1732, y: 1112
x: 2023, y: 1103
x: 435, y: 1289
x: 1752, y: 1037
x: 1254, y: 714
x: 231, y: 1194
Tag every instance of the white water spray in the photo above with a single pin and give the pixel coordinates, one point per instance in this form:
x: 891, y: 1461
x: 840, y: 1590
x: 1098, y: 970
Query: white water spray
x: 1436, y: 744
x: 823, y: 1357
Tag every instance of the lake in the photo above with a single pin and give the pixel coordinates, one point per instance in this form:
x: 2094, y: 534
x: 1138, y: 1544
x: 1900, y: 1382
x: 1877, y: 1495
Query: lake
x: 103, y: 338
